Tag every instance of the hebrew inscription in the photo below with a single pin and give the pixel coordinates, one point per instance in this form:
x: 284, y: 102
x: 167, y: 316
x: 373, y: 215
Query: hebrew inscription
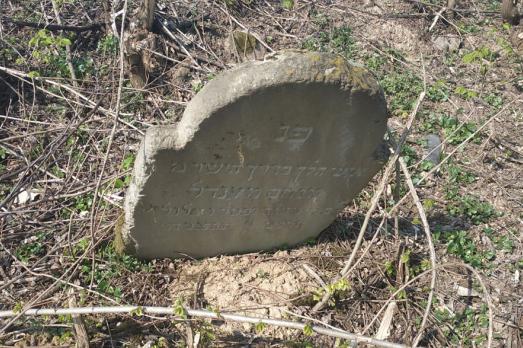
x: 265, y: 155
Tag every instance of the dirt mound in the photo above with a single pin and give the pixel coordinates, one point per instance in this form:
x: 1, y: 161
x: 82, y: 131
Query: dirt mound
x: 254, y: 285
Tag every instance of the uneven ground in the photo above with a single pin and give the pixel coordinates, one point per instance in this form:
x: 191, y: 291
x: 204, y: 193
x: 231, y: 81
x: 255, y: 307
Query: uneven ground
x: 63, y: 174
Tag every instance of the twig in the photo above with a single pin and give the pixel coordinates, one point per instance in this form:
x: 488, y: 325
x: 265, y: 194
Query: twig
x: 438, y: 15
x: 81, y: 336
x: 428, y: 235
x: 22, y: 76
x: 56, y: 27
x: 57, y: 281
x: 458, y: 147
x: 200, y: 313
x: 247, y: 29
x: 313, y: 274
x: 178, y: 42
x: 442, y: 266
x: 48, y: 152
x: 374, y: 203
x: 111, y: 138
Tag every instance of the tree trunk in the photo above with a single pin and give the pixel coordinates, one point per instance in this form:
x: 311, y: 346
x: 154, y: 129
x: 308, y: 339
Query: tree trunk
x: 139, y: 41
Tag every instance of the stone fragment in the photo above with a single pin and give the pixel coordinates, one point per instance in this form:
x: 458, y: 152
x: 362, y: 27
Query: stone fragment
x: 447, y: 43
x: 245, y: 46
x: 264, y: 156
x: 433, y: 149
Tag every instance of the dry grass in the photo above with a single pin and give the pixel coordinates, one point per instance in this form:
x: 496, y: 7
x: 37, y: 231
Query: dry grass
x: 53, y: 148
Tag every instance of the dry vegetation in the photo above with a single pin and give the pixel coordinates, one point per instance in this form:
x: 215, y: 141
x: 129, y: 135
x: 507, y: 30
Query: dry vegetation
x: 69, y: 127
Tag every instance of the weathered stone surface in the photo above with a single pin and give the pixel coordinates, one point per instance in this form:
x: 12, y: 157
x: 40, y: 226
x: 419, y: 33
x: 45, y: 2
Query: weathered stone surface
x: 264, y: 156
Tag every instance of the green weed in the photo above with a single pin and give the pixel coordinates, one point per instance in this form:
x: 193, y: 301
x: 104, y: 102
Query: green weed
x: 438, y: 92
x: 403, y: 88
x: 479, y: 55
x: 115, y: 265
x: 461, y: 328
x: 287, y: 4
x: 465, y: 93
x: 476, y: 210
x: 502, y: 242
x: 338, y: 40
x: 469, y: 27
x: 409, y: 155
x: 454, y: 132
x: 494, y: 100
x: 3, y: 156
x: 461, y: 245
x: 335, y: 289
x: 456, y: 175
x: 108, y: 45
x: 126, y: 165
x: 33, y: 248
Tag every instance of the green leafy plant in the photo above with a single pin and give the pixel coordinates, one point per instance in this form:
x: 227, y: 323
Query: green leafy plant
x: 127, y: 164
x: 137, y: 312
x: 438, y: 92
x: 471, y: 207
x: 287, y: 4
x: 494, y: 100
x: 108, y: 45
x: 390, y: 270
x: 461, y: 245
x: 339, y: 40
x: 502, y: 242
x: 307, y: 330
x: 456, y: 175
x: 114, y: 266
x: 335, y: 289
x: 34, y: 247
x: 409, y: 155
x: 465, y: 93
x: 403, y: 88
x: 259, y: 327
x: 463, y: 329
x: 179, y: 308
x: 3, y: 156
x: 455, y: 132
x: 479, y: 55
x: 50, y: 51
x: 375, y: 62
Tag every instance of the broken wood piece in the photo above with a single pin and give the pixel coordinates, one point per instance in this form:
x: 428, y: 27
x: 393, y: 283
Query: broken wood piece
x: 386, y: 322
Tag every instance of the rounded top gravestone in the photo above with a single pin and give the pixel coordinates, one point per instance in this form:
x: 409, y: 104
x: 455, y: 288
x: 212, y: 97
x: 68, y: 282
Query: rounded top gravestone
x: 264, y: 156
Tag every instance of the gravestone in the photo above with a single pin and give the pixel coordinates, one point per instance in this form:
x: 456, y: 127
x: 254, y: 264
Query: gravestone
x: 265, y: 155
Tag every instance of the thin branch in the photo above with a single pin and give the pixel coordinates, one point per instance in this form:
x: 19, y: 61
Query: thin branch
x: 428, y: 235
x: 111, y: 138
x: 56, y: 27
x: 374, y: 203
x: 200, y: 313
x: 488, y: 299
x: 457, y: 148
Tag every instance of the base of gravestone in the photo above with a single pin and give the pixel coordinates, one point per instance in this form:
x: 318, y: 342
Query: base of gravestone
x: 119, y: 245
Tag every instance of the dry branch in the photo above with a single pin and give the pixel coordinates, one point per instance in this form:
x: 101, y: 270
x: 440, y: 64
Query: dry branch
x: 199, y: 313
x: 56, y: 27
x: 375, y: 199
